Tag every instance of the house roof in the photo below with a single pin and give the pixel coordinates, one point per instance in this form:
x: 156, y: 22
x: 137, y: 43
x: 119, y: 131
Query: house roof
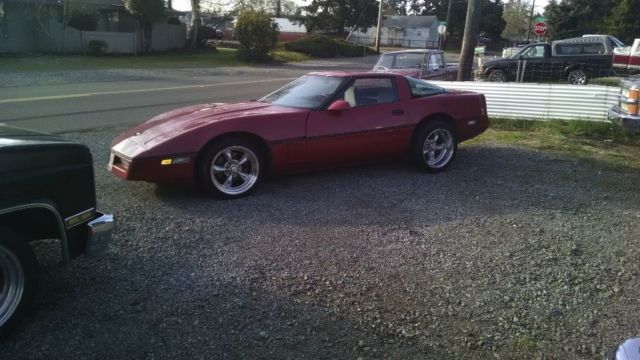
x: 412, y: 22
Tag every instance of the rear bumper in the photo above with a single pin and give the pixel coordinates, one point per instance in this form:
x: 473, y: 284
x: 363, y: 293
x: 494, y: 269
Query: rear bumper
x: 100, y: 234
x: 625, y: 121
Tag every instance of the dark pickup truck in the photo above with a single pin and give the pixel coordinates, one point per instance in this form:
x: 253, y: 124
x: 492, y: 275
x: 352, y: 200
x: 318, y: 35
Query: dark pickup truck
x: 46, y: 192
x: 572, y: 60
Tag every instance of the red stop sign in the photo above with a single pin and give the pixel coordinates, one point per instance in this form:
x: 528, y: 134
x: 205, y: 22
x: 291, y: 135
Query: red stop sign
x: 540, y: 28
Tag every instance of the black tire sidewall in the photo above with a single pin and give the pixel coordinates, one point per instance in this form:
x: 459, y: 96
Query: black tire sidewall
x: 23, y: 251
x: 417, y: 156
x: 206, y: 162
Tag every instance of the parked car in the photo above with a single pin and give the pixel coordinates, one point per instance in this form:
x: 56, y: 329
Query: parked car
x: 626, y: 60
x: 574, y: 60
x: 626, y: 113
x: 321, y: 120
x: 46, y: 192
x: 420, y: 64
x: 209, y: 32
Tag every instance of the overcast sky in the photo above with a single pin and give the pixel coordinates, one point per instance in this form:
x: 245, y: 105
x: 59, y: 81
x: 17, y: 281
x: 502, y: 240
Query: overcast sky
x: 186, y: 4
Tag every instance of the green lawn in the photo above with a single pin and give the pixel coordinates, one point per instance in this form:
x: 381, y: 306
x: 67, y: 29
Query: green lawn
x: 198, y: 59
x: 584, y: 139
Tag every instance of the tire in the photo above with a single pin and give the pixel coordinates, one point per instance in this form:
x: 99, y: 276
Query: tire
x: 231, y: 168
x: 578, y: 77
x: 434, y: 146
x: 497, y: 76
x: 18, y: 279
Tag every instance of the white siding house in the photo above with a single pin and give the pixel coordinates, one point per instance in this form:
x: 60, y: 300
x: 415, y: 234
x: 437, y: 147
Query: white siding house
x: 405, y: 31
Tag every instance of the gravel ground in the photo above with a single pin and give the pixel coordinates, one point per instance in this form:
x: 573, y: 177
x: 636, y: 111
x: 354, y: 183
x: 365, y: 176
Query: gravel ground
x: 511, y: 254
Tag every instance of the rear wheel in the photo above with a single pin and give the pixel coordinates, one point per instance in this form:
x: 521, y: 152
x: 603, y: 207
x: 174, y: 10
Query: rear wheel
x: 578, y: 77
x: 434, y: 146
x: 231, y: 168
x: 18, y: 277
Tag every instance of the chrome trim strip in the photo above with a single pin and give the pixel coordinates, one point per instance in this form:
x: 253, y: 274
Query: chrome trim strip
x: 63, y: 232
x: 66, y: 221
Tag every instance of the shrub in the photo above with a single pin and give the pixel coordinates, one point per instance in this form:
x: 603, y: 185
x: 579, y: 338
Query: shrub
x: 97, y: 47
x: 325, y: 47
x: 257, y: 34
x: 82, y: 19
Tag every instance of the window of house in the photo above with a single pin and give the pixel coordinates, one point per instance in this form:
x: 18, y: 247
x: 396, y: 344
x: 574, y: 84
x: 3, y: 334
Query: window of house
x: 113, y: 17
x: 418, y: 33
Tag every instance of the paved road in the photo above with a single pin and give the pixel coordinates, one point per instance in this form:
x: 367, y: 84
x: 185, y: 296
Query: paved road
x: 85, y: 100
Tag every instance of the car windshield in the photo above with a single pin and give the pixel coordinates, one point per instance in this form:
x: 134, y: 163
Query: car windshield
x: 307, y: 92
x: 421, y: 88
x: 402, y: 61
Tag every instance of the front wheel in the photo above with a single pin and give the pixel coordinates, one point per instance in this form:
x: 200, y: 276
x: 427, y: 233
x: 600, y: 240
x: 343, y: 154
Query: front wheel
x: 578, y: 77
x: 434, y: 147
x: 18, y: 277
x: 231, y: 168
x: 497, y: 76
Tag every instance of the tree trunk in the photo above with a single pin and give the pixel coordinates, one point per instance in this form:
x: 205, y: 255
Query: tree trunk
x: 469, y: 41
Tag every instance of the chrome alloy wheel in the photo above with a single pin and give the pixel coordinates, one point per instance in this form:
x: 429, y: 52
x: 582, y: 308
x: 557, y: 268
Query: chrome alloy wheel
x: 438, y: 148
x: 12, y: 280
x: 578, y: 77
x: 234, y: 170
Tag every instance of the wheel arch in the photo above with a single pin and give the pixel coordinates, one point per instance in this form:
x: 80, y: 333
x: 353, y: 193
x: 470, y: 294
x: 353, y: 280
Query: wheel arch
x: 258, y: 140
x: 435, y: 117
x: 48, y: 224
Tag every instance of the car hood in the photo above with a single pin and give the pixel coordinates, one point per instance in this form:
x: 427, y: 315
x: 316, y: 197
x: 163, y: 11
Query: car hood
x: 182, y: 120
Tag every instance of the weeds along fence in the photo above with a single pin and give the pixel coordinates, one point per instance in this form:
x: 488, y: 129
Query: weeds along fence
x: 542, y: 101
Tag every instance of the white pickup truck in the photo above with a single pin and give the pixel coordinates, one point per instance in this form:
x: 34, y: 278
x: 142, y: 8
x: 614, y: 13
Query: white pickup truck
x: 626, y: 60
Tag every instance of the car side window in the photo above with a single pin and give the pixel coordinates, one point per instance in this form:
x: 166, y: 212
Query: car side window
x: 369, y: 91
x: 435, y: 62
x: 534, y: 52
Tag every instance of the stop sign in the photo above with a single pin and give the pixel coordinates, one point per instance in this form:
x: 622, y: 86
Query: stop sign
x: 540, y: 28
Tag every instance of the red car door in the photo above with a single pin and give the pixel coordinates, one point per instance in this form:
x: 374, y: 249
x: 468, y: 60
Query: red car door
x: 374, y: 127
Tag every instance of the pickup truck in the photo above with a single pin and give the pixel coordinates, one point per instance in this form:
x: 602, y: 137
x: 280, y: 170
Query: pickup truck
x: 420, y: 64
x: 574, y: 60
x: 46, y: 192
x: 626, y: 60
x: 626, y: 113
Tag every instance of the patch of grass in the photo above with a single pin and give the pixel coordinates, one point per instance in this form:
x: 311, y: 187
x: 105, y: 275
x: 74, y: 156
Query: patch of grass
x: 607, y: 81
x: 180, y: 59
x: 284, y: 56
x: 585, y: 139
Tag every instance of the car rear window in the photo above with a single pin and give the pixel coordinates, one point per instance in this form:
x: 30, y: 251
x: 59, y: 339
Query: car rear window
x: 420, y: 88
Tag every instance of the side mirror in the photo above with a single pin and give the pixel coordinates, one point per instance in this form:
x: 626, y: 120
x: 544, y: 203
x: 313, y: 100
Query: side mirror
x: 339, y: 105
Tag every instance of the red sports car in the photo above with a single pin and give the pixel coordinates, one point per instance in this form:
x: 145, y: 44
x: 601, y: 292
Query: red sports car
x: 321, y: 120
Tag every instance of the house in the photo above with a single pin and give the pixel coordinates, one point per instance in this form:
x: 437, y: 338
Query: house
x: 404, y: 31
x: 28, y: 26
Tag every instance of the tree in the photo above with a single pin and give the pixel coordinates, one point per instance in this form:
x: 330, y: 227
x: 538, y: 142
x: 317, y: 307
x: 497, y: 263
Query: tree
x: 516, y: 17
x: 257, y: 33
x: 491, y: 23
x: 146, y: 12
x: 623, y: 22
x: 572, y: 18
x: 195, y: 23
x: 335, y: 15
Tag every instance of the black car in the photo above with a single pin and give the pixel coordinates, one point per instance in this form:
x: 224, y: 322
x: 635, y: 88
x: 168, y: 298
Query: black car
x: 572, y: 60
x: 46, y: 192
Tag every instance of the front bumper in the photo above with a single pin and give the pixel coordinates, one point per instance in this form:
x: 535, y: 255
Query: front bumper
x: 625, y: 121
x: 100, y: 232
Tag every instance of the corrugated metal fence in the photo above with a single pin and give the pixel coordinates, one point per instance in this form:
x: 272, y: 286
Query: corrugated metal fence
x: 542, y: 101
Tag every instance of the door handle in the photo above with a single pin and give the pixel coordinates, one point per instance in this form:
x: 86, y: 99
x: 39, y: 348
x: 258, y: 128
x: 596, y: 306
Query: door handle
x: 397, y: 112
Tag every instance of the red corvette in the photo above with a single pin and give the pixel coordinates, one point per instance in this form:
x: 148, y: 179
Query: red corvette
x: 321, y: 120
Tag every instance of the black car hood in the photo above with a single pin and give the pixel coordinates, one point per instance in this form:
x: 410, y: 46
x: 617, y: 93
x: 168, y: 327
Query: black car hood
x: 11, y: 136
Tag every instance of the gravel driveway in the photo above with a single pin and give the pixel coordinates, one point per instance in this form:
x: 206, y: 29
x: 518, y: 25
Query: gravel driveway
x: 511, y: 253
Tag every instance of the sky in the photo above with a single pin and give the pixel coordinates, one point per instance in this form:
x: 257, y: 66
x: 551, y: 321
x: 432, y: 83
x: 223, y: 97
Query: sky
x: 186, y: 5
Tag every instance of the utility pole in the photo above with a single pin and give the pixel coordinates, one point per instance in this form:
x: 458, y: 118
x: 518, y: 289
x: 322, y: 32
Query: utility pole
x: 444, y: 41
x: 278, y: 8
x: 379, y: 27
x: 533, y: 6
x: 195, y: 22
x: 469, y: 41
